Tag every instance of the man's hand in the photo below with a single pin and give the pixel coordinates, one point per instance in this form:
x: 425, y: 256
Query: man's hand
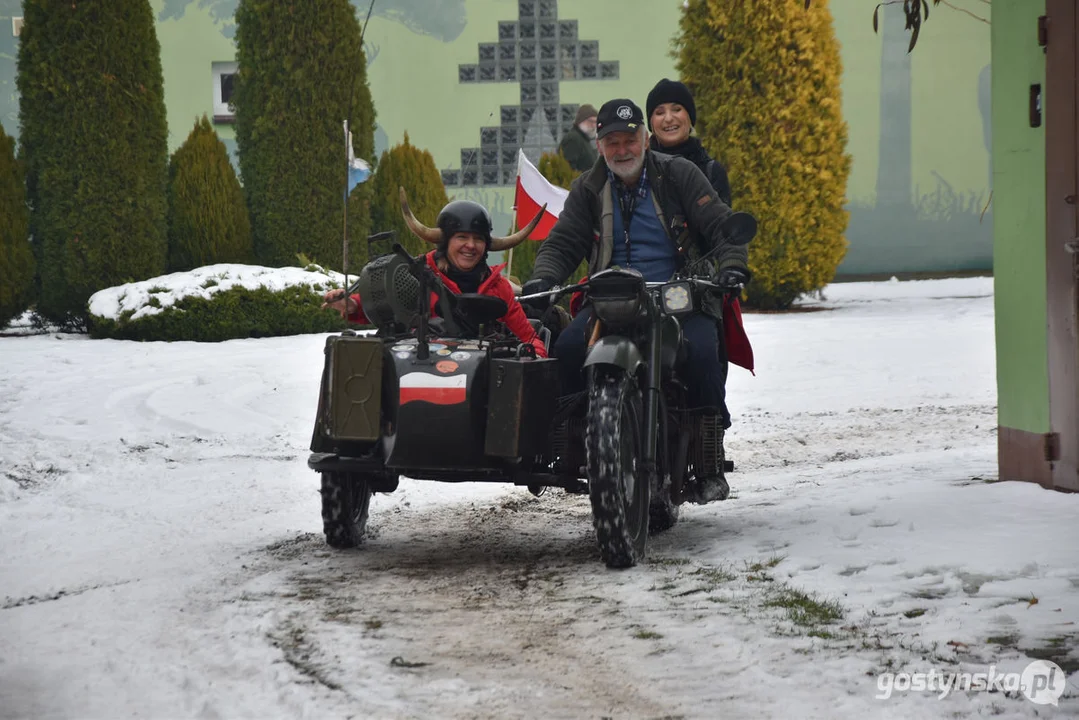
x: 533, y: 286
x: 732, y: 277
x: 336, y: 299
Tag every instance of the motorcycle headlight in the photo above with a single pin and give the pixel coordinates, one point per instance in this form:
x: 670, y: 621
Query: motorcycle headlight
x: 677, y: 298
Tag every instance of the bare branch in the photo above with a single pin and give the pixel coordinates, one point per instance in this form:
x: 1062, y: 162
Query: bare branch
x: 968, y: 12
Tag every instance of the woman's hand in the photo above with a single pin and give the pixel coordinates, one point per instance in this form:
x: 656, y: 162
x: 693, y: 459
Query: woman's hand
x: 336, y: 299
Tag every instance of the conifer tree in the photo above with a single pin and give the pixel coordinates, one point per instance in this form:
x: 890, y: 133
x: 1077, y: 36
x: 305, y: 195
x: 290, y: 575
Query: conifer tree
x: 765, y: 79
x: 301, y: 72
x: 93, y: 136
x: 556, y: 168
x: 16, y: 259
x: 407, y: 166
x: 208, y: 220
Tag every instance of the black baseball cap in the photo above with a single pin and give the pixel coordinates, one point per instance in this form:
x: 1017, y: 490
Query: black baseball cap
x: 618, y: 115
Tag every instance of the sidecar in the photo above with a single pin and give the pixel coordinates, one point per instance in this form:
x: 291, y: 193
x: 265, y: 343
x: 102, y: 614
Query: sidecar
x: 472, y: 404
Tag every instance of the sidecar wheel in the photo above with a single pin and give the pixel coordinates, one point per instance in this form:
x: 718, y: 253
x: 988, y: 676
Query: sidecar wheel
x: 346, y: 500
x: 617, y: 486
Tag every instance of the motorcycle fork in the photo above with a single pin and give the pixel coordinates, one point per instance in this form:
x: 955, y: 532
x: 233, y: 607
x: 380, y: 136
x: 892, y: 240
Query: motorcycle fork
x: 651, y: 387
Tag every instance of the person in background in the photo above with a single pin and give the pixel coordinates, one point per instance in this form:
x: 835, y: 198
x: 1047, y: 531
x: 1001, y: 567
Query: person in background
x: 578, y: 145
x: 671, y: 115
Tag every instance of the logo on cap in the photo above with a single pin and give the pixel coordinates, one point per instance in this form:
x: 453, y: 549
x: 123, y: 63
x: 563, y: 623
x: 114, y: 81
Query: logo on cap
x: 624, y: 112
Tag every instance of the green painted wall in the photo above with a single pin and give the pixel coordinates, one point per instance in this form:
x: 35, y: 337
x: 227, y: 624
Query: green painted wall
x: 936, y: 98
x: 1019, y: 219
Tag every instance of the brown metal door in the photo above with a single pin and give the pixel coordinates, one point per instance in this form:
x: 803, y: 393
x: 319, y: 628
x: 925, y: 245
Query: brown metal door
x: 1062, y: 238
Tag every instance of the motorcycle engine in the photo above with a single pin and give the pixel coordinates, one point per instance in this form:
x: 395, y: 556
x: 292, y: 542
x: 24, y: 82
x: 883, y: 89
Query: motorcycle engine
x: 389, y: 293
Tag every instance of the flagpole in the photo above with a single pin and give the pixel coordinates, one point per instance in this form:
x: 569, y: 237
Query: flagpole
x: 509, y: 260
x: 344, y: 223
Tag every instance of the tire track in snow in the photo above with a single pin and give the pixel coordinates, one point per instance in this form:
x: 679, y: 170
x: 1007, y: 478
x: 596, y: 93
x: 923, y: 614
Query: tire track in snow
x: 488, y: 611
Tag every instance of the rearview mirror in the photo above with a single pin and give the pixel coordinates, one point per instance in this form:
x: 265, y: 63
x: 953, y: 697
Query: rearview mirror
x: 740, y: 228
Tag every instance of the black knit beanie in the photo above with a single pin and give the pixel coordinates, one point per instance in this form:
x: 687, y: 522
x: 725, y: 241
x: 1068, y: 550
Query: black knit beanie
x: 667, y: 91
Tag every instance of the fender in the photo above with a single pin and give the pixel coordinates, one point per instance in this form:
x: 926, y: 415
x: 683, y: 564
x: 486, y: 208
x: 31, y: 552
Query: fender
x: 615, y: 350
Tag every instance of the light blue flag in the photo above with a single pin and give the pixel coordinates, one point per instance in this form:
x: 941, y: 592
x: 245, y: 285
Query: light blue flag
x: 358, y: 172
x: 358, y: 169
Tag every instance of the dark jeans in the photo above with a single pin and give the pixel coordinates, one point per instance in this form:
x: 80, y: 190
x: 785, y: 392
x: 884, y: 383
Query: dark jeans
x: 705, y: 371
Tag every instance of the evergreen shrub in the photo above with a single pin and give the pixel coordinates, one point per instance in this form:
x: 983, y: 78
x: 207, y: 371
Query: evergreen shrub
x: 208, y: 220
x: 94, y: 139
x: 765, y: 77
x: 301, y: 72
x: 16, y: 258
x: 406, y: 166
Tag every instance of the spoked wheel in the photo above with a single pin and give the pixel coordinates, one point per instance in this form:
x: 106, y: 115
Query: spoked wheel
x: 346, y: 501
x: 617, y: 484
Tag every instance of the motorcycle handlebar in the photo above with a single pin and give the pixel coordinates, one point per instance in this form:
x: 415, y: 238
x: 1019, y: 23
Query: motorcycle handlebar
x: 558, y: 290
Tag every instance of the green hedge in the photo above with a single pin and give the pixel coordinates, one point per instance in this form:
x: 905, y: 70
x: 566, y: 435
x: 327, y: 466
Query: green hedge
x: 302, y: 69
x: 16, y: 258
x: 406, y: 166
x: 234, y: 313
x: 95, y: 142
x: 208, y: 220
x: 765, y: 76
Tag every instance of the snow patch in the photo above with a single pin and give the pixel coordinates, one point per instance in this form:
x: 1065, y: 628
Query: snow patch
x: 149, y: 297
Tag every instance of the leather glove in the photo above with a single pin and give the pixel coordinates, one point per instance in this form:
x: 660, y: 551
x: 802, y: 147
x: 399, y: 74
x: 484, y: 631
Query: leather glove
x: 537, y: 285
x: 730, y: 277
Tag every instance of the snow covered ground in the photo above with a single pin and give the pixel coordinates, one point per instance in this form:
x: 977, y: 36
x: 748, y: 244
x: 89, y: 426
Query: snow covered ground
x: 161, y: 555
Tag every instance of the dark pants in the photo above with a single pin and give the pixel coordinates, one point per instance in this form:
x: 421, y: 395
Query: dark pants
x: 705, y: 370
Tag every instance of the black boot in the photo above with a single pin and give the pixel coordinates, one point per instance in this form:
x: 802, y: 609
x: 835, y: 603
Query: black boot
x: 710, y: 484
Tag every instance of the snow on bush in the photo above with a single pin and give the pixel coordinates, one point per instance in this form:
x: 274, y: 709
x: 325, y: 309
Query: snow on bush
x: 149, y: 297
x: 217, y: 302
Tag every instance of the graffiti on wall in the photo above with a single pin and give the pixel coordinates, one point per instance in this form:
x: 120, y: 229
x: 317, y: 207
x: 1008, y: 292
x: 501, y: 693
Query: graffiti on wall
x: 908, y: 227
x: 442, y: 19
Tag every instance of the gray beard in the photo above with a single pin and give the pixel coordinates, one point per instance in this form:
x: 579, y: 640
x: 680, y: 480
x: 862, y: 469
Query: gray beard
x: 631, y: 173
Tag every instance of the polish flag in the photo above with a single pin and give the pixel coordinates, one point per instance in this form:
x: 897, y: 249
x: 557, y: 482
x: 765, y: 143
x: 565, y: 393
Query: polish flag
x: 435, y: 389
x: 533, y: 191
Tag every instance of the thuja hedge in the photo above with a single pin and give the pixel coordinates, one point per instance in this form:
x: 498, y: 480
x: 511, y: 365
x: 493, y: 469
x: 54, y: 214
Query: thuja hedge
x: 238, y: 312
x: 94, y: 139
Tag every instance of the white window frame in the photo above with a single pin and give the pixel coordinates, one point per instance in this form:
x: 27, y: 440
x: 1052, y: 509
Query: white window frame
x: 16, y: 26
x: 222, y: 111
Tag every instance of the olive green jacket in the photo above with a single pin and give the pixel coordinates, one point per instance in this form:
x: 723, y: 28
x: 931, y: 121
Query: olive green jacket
x: 578, y: 150
x: 685, y: 202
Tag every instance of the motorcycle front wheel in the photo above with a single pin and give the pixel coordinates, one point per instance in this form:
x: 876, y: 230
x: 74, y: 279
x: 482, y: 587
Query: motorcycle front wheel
x: 617, y: 484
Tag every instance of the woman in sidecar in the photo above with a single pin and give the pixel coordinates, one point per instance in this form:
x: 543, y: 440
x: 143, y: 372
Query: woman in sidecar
x: 462, y: 240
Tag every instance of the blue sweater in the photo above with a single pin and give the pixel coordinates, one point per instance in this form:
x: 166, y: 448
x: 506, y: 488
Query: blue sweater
x: 650, y: 250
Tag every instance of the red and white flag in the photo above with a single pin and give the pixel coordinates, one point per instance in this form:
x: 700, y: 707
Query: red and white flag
x: 435, y: 389
x: 533, y: 191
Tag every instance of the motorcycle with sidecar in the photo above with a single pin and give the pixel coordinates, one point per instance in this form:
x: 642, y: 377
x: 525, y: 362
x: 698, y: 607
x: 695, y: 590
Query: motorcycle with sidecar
x: 458, y: 398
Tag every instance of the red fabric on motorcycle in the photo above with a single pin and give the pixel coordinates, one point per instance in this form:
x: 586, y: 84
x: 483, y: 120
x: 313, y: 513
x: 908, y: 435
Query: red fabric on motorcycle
x: 496, y: 286
x: 576, y: 299
x: 739, y: 351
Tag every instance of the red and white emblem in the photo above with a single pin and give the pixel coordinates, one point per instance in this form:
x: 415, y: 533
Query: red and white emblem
x: 436, y: 389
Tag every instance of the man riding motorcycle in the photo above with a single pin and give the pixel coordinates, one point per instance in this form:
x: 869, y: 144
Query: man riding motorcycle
x: 654, y: 213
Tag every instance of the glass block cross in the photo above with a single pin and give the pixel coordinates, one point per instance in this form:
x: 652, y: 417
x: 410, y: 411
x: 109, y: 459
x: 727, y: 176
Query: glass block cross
x: 537, y: 51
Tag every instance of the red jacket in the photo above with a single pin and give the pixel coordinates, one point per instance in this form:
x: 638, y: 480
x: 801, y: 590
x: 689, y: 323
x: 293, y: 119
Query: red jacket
x: 496, y: 286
